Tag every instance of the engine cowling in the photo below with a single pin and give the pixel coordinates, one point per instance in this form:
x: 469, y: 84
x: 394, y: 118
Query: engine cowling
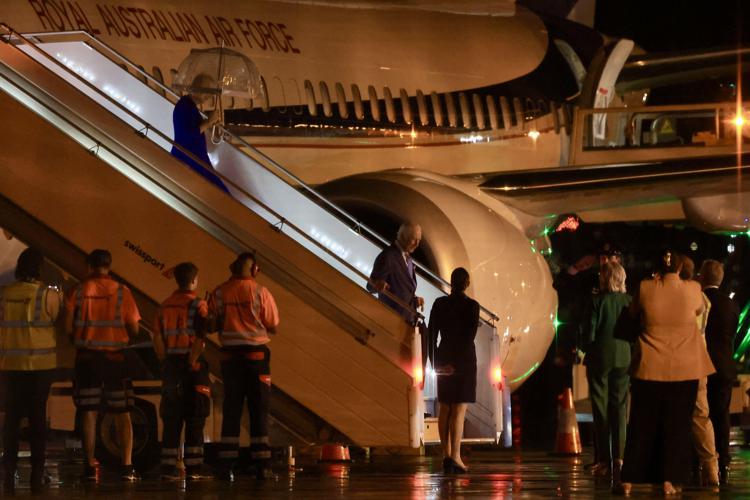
x: 464, y: 227
x: 724, y: 212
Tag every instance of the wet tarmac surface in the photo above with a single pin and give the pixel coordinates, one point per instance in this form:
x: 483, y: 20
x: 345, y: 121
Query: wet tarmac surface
x: 493, y: 474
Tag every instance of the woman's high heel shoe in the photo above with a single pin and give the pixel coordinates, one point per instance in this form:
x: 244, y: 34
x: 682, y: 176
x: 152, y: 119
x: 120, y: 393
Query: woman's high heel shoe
x: 457, y: 469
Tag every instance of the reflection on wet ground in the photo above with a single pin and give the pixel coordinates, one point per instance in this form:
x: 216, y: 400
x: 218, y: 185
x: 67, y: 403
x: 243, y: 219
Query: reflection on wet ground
x: 493, y: 474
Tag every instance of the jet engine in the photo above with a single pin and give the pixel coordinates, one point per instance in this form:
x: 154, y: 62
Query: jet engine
x: 463, y: 227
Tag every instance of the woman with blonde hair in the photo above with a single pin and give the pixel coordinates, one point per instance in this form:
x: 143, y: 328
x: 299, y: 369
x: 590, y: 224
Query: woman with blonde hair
x: 607, y: 361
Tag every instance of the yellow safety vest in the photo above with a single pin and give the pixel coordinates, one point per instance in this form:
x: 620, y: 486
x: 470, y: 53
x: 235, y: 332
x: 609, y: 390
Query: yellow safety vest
x: 27, y: 334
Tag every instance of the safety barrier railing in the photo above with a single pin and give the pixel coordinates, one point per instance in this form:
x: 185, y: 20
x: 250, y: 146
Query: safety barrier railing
x: 264, y: 160
x: 130, y: 112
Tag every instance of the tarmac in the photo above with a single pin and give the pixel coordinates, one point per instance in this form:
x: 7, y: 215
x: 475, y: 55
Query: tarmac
x: 493, y: 473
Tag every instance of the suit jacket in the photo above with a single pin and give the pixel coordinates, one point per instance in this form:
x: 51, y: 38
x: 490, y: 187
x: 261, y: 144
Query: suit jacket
x: 603, y: 350
x: 671, y: 346
x: 721, y: 328
x: 391, y: 267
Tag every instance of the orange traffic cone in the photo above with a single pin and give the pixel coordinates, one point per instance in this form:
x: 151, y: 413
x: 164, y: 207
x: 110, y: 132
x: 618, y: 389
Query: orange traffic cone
x: 568, y: 438
x: 334, y: 453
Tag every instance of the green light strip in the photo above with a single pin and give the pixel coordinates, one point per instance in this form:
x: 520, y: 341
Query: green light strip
x: 531, y: 370
x: 746, y: 339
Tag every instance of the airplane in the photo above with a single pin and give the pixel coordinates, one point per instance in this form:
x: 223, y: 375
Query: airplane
x: 426, y: 111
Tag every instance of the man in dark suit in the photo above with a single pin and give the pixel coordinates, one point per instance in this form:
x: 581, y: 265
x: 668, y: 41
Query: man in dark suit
x: 394, y: 271
x: 720, y: 330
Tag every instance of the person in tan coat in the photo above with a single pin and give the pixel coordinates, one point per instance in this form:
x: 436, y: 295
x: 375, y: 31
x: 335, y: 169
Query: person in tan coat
x: 671, y: 359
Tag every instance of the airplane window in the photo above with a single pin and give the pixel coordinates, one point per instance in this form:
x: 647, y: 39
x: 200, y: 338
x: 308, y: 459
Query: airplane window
x: 437, y: 109
x: 265, y: 98
x: 492, y: 111
x: 341, y: 101
x: 156, y: 73
x: 390, y: 109
x: 359, y: 110
x: 476, y: 100
x: 507, y: 117
x: 325, y: 96
x: 465, y: 110
x: 277, y: 83
x: 406, y: 107
x: 374, y: 105
x: 424, y: 117
x: 450, y: 105
x: 292, y: 93
x: 312, y: 106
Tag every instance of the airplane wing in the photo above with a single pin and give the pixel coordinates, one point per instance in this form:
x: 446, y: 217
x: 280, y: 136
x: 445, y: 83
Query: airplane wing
x: 616, y: 187
x: 649, y: 71
x: 645, y: 163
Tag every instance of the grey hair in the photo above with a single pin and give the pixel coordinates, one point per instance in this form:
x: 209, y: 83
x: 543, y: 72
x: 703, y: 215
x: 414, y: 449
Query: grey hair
x: 407, y: 229
x: 712, y: 272
x: 612, y: 278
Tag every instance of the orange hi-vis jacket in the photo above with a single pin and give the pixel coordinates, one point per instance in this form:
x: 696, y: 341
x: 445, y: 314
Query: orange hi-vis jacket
x: 101, y: 307
x: 175, y: 320
x: 246, y: 311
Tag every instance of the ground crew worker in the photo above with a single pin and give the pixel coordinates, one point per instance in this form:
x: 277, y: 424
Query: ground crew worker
x: 28, y: 309
x: 101, y: 316
x: 246, y: 314
x: 179, y: 330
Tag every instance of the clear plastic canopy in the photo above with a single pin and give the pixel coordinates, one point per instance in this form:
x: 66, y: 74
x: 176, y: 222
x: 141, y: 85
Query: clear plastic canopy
x: 228, y: 73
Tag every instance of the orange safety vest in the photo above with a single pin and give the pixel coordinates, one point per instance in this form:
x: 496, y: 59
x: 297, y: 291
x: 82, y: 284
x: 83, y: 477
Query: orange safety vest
x: 238, y: 301
x: 98, y: 323
x: 177, y: 321
x: 27, y: 334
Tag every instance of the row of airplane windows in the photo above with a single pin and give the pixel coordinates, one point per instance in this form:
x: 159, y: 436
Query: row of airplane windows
x: 470, y: 111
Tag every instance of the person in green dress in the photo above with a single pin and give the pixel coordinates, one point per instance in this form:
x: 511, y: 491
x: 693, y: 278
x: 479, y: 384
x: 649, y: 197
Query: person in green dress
x: 607, y: 362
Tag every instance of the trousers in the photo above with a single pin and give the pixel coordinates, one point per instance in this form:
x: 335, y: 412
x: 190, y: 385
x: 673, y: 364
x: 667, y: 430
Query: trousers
x: 247, y: 377
x: 608, y: 390
x: 186, y: 401
x: 26, y: 394
x: 719, y: 394
x: 658, y: 438
x: 703, y: 432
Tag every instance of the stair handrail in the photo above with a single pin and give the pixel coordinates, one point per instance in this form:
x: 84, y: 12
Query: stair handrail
x: 149, y: 127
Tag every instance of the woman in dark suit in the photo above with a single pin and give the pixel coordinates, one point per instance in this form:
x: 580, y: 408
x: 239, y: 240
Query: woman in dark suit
x: 454, y: 321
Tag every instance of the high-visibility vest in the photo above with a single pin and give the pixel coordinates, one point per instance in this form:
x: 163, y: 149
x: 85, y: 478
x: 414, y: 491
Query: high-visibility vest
x: 238, y: 302
x: 98, y: 324
x: 27, y: 333
x: 176, y: 320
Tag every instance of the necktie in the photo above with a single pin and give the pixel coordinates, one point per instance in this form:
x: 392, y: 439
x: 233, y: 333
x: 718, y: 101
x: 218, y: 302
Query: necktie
x: 410, y: 265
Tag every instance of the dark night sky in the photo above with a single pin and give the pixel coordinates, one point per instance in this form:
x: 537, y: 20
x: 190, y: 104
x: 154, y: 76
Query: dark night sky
x: 675, y: 25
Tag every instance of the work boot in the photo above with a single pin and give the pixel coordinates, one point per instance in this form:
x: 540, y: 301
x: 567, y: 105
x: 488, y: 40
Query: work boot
x: 40, y: 479
x: 170, y: 473
x: 9, y: 480
x: 262, y: 472
x: 198, y: 473
x: 129, y: 474
x: 724, y: 475
x: 90, y: 473
x: 225, y: 474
